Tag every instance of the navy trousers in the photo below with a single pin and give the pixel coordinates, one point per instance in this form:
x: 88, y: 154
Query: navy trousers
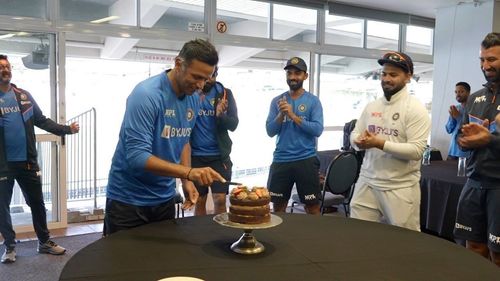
x: 31, y: 185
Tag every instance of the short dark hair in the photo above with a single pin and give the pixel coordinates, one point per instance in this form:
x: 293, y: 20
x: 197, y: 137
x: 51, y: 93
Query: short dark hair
x: 3, y: 57
x: 199, y: 49
x: 465, y: 85
x: 492, y: 39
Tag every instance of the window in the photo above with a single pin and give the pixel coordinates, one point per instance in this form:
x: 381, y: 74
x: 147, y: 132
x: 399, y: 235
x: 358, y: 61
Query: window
x: 382, y: 35
x: 25, y: 8
x: 419, y: 39
x: 294, y: 24
x: 102, y: 12
x: 344, y: 31
x: 346, y: 85
x: 185, y: 15
x: 106, y: 86
x: 244, y: 17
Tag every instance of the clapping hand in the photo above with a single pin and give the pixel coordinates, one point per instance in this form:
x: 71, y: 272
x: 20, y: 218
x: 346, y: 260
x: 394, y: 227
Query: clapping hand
x: 284, y: 107
x: 475, y: 135
x: 221, y: 107
x: 454, y: 113
x: 369, y: 140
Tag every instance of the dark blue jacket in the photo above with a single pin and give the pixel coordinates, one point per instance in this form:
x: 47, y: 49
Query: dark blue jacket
x: 484, y: 162
x: 32, y: 116
x: 225, y: 122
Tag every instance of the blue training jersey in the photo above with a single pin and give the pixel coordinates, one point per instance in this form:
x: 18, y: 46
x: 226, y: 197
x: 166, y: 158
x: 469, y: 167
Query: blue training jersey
x: 296, y: 142
x: 453, y: 128
x: 12, y: 122
x: 157, y: 123
x: 204, y: 137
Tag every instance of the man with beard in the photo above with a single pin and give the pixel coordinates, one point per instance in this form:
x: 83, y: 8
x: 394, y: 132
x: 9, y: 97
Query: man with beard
x: 478, y: 212
x: 19, y: 113
x: 153, y: 147
x: 296, y: 117
x: 393, y: 131
x: 210, y: 142
x: 462, y: 91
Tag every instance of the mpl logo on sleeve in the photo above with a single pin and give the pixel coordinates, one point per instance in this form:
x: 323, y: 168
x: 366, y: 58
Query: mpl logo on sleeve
x: 480, y: 99
x: 170, y: 112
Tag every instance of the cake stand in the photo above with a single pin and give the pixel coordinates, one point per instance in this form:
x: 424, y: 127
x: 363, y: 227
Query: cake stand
x: 247, y: 244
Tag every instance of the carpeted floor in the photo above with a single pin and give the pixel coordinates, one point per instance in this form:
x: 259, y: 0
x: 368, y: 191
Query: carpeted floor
x: 31, y: 266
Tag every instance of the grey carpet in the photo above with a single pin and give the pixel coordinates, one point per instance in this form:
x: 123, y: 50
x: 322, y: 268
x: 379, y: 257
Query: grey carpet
x: 31, y: 266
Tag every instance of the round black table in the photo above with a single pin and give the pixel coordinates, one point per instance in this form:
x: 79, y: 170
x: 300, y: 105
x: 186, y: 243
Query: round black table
x: 440, y: 189
x: 303, y: 247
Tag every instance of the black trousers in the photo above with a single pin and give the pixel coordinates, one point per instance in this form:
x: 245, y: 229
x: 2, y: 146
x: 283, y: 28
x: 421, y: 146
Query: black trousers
x: 31, y: 185
x: 120, y: 216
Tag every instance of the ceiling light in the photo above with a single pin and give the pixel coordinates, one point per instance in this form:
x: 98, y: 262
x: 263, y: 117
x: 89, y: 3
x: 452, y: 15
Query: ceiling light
x: 8, y: 35
x: 106, y: 19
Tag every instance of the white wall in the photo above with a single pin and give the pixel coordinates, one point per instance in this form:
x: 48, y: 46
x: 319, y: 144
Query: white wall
x: 458, y: 35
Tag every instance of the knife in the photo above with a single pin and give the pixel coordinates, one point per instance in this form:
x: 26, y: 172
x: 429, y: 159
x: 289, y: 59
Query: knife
x: 233, y: 183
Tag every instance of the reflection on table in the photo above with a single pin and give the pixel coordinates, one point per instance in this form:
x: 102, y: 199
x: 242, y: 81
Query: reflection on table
x: 441, y: 188
x: 303, y: 247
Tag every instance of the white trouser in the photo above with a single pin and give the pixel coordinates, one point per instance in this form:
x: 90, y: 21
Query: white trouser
x: 400, y: 207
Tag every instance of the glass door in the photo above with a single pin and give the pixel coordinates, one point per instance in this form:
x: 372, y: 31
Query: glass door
x: 32, y: 56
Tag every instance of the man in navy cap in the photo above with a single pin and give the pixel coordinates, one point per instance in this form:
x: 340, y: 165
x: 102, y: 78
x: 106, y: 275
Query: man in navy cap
x: 296, y: 118
x: 393, y: 131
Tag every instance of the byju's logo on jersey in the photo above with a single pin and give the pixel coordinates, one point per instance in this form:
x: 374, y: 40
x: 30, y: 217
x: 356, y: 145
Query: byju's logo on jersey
x: 189, y: 114
x: 384, y: 131
x: 206, y: 112
x: 171, y: 132
x: 9, y: 109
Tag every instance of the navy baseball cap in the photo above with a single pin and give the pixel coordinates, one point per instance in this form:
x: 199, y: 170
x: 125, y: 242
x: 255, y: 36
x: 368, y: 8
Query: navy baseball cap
x: 398, y: 59
x: 296, y: 62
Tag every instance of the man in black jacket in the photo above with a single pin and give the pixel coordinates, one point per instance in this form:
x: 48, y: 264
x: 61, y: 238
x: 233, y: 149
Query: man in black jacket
x: 19, y: 113
x: 210, y: 142
x: 478, y: 213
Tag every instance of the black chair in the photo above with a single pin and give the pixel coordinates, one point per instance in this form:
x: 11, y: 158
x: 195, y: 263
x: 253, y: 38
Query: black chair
x: 341, y: 175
